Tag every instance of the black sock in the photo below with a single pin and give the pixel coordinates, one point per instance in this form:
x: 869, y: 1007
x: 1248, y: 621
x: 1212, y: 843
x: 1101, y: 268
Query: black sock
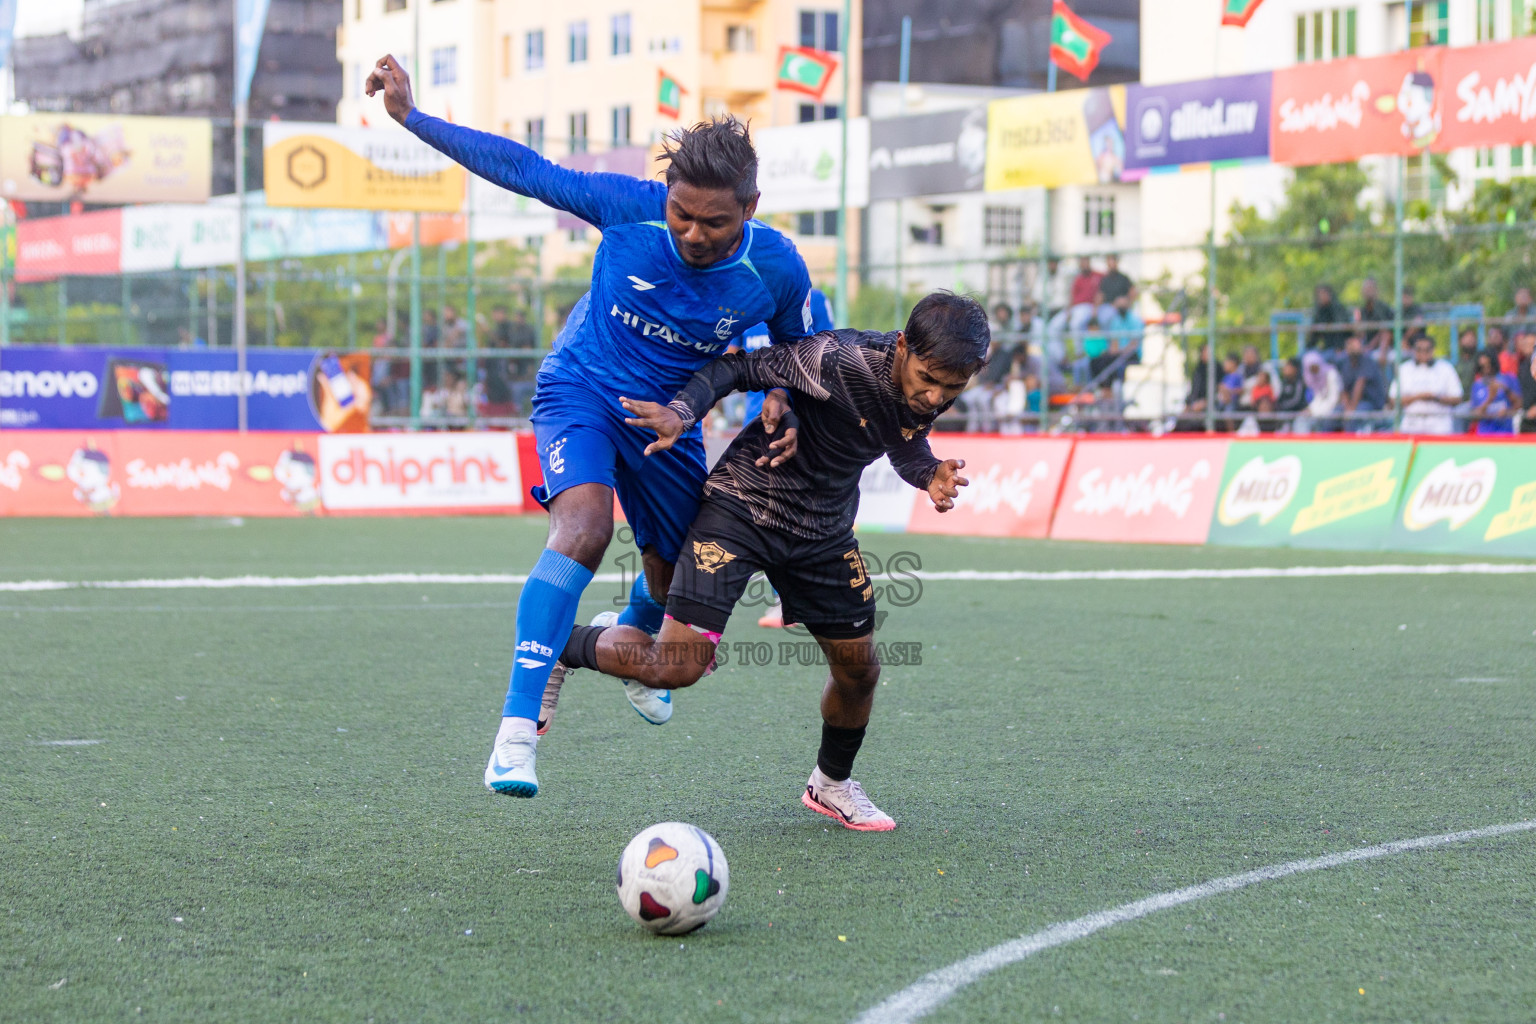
x: 838, y: 749
x: 581, y: 649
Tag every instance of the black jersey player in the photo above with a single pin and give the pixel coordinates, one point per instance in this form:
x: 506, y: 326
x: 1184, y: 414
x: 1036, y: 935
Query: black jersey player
x: 858, y: 395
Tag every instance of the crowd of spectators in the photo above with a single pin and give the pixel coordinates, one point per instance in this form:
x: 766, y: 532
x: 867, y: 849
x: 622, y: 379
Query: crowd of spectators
x: 503, y: 385
x: 1350, y: 376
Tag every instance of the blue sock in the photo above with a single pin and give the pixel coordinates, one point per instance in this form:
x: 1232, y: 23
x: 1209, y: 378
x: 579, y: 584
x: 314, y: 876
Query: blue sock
x: 643, y: 612
x: 545, y: 612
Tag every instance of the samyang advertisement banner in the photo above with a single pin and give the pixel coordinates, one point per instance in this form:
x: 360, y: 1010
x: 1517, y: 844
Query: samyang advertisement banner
x: 928, y: 154
x: 1197, y: 122
x: 174, y: 389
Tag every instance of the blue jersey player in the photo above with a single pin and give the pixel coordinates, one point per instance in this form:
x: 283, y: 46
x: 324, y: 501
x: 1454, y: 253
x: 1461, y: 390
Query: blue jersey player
x: 681, y: 271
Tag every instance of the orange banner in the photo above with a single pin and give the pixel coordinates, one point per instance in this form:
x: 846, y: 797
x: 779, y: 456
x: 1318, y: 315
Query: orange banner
x: 1013, y: 487
x: 129, y: 473
x: 1489, y: 97
x: 1339, y: 110
x: 1151, y: 491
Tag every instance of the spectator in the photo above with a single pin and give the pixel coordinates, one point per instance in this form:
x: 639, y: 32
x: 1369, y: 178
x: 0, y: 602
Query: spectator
x: 1495, y: 397
x: 1525, y: 346
x: 1428, y: 388
x: 1522, y: 317
x: 1197, y: 398
x: 1330, y: 320
x: 980, y: 398
x: 1466, y: 358
x: 1257, y: 388
x: 1325, y: 388
x: 1124, y: 325
x: 1291, y: 400
x: 1375, y: 320
x: 1230, y: 384
x: 186, y: 339
x: 1364, y: 390
x: 1097, y: 353
x: 522, y: 333
x: 1081, y: 303
x: 1504, y: 355
x: 1412, y: 311
x: 1021, y: 395
x: 382, y: 374
x: 429, y: 339
x: 498, y: 393
x: 1113, y: 286
x: 1054, y: 292
x: 501, y: 328
x: 1002, y: 319
x: 455, y: 397
x: 454, y: 333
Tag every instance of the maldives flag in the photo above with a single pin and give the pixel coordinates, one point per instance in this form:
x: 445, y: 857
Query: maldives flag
x: 1237, y: 12
x: 669, y: 95
x: 802, y: 69
x: 1075, y: 44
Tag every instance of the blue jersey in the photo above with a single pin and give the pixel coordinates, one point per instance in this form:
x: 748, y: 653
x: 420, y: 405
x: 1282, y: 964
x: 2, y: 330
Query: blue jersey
x: 650, y: 320
x: 757, y: 337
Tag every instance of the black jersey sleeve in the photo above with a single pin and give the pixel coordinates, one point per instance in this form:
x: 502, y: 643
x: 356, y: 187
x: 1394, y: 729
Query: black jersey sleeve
x: 913, y: 460
x: 800, y: 366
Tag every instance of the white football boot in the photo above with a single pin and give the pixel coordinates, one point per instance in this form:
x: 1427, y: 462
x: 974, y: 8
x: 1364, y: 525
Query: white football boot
x: 846, y: 802
x: 510, y: 771
x: 653, y: 705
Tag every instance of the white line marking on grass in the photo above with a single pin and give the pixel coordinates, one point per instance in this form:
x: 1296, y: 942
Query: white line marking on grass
x: 67, y: 743
x: 932, y: 990
x: 1018, y: 576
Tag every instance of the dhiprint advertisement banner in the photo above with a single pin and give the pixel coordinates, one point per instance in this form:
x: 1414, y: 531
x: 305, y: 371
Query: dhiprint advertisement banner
x: 1197, y: 122
x: 1339, y: 110
x: 106, y: 158
x: 44, y: 388
x: 77, y: 473
x: 1310, y: 494
x: 469, y: 472
x: 1158, y: 492
x: 344, y: 168
x: 1489, y: 96
x: 798, y: 166
x: 1052, y: 139
x: 928, y: 154
x: 1470, y: 499
x: 1012, y: 491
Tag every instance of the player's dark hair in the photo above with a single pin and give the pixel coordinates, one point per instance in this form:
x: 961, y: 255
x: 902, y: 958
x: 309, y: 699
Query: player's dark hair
x: 950, y: 331
x: 716, y: 153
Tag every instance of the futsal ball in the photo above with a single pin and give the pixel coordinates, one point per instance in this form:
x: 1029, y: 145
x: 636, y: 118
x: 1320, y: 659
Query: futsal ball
x: 673, y: 878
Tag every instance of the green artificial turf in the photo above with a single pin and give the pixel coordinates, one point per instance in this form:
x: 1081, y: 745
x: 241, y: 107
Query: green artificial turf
x: 295, y: 774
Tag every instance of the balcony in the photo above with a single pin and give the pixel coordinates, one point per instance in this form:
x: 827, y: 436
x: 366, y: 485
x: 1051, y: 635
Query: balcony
x: 736, y: 75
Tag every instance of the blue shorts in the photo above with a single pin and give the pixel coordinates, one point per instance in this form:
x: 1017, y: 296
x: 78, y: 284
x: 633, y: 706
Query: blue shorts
x: 582, y: 439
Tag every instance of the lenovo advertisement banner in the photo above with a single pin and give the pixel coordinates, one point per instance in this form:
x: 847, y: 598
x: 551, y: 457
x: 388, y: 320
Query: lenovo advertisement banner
x: 172, y: 389
x: 1159, y: 492
x: 1337, y: 110
x: 1197, y: 122
x: 465, y: 472
x: 1475, y: 499
x: 1052, y: 139
x: 928, y: 154
x: 1012, y: 491
x: 1310, y: 494
x: 106, y: 158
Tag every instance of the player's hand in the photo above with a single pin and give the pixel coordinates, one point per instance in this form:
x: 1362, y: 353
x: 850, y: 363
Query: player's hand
x: 389, y: 77
x: 776, y: 414
x: 945, y: 486
x: 667, y: 424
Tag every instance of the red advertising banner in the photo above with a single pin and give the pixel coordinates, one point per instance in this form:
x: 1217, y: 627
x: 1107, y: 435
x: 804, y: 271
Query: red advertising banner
x: 1012, y: 491
x: 1159, y: 492
x: 1339, y: 110
x: 1489, y: 94
x: 420, y: 473
x: 87, y: 243
x: 131, y: 473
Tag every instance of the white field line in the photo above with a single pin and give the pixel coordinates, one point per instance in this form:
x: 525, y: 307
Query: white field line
x: 67, y: 743
x: 1019, y: 576
x: 932, y: 990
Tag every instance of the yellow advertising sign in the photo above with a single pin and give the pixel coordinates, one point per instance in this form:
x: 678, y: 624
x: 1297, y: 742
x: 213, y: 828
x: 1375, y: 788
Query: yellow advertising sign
x: 1346, y: 495
x: 340, y: 168
x: 1519, y: 517
x: 105, y: 158
x: 1051, y: 139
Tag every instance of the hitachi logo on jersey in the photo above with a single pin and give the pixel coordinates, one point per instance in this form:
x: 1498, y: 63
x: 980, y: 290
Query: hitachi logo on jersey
x: 649, y: 328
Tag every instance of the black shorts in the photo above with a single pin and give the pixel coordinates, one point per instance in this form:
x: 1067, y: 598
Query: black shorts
x: 822, y: 583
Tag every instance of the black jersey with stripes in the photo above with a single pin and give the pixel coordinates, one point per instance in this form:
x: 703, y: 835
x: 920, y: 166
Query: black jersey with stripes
x: 850, y: 411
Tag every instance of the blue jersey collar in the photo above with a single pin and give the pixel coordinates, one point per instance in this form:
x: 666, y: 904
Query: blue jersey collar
x: 739, y: 257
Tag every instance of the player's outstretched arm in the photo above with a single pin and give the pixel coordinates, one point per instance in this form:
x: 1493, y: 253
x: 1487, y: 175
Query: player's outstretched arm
x: 598, y: 199
x: 669, y: 426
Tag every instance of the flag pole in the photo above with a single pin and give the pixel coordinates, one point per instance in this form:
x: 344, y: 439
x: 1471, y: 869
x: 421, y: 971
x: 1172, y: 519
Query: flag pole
x: 242, y: 105
x: 1045, y: 282
x: 840, y: 308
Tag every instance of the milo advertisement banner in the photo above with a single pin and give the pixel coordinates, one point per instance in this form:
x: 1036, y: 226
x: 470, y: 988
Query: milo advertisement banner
x: 1469, y: 499
x: 1310, y: 494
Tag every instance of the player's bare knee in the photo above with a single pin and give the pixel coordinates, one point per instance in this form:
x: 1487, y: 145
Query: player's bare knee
x: 857, y: 676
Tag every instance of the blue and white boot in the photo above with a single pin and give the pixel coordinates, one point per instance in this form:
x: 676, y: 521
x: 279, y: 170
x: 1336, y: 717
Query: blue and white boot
x: 653, y: 705
x: 510, y: 771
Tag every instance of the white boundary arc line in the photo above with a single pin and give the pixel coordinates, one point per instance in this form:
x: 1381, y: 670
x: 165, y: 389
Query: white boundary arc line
x: 932, y: 990
x: 1012, y: 576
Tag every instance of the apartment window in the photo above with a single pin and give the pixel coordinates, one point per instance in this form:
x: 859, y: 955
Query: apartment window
x: 533, y: 134
x: 1325, y: 35
x: 1517, y: 159
x: 1099, y: 216
x: 741, y: 39
x: 576, y: 37
x: 578, y: 136
x: 1431, y: 24
x: 357, y: 10
x: 821, y: 224
x: 818, y: 30
x: 1485, y: 27
x: 619, y: 31
x: 393, y: 5
x: 533, y: 50
x: 445, y: 65
x: 818, y: 112
x: 1003, y: 225
x: 619, y: 117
